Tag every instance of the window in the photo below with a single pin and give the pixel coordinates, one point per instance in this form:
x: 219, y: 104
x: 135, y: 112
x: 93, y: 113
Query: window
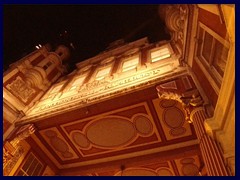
x: 77, y: 82
x: 130, y: 63
x: 102, y: 73
x: 53, y: 91
x: 212, y: 51
x: 47, y: 65
x: 219, y: 59
x: 160, y: 53
x: 31, y: 167
x: 56, y: 89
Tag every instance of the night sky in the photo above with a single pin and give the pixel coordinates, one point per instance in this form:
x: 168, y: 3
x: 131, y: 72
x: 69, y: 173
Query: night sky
x: 89, y: 27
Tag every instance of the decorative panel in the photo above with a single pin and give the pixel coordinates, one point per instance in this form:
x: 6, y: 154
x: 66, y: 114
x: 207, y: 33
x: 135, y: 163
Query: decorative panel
x: 20, y: 89
x: 151, y: 169
x: 172, y: 118
x: 188, y: 166
x: 57, y: 142
x: 115, y: 131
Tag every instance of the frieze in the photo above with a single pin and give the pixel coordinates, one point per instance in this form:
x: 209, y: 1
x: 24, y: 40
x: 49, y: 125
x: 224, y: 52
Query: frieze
x: 96, y: 91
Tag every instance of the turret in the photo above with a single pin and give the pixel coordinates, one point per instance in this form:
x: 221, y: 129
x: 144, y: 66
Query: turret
x: 29, y: 78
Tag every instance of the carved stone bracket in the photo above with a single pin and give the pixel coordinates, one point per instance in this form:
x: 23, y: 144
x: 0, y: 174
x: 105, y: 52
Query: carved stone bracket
x: 176, y: 19
x: 183, y: 91
x: 187, y: 103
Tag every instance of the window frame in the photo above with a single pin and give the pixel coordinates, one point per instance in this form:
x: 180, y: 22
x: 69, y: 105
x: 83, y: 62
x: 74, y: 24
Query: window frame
x: 129, y: 58
x: 155, y: 49
x: 209, y: 64
x: 78, y: 85
x: 49, y: 94
x: 25, y: 172
x: 102, y: 68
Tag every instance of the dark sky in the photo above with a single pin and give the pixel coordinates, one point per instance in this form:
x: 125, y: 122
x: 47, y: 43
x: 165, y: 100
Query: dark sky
x: 89, y: 27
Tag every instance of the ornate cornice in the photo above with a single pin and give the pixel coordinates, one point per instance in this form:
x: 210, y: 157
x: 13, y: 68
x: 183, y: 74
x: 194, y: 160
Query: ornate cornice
x: 100, y: 90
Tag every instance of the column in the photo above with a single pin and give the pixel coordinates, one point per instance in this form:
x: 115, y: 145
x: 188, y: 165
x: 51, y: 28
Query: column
x: 210, y: 152
x: 182, y: 90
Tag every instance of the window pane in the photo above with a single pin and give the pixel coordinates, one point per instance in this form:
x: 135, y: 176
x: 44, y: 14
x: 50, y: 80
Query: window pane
x: 160, y: 54
x: 207, y: 47
x: 32, y: 167
x: 200, y: 41
x: 78, y: 81
x: 130, y: 64
x: 56, y: 89
x: 28, y: 162
x: 20, y: 173
x: 37, y: 170
x: 102, y: 73
x: 220, y: 57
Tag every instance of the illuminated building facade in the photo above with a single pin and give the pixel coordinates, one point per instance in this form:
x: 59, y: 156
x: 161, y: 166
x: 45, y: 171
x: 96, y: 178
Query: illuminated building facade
x: 138, y: 108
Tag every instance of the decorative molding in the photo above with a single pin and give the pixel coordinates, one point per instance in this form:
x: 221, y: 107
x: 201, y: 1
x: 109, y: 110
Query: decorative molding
x: 172, y: 118
x: 189, y: 166
x: 107, y: 132
x: 58, y: 144
x: 176, y: 18
x: 99, y: 90
x: 33, y: 77
x: 20, y: 89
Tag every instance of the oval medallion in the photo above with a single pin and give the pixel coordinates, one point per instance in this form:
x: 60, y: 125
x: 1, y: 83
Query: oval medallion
x: 111, y: 132
x: 80, y: 139
x: 173, y: 117
x: 143, y: 125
